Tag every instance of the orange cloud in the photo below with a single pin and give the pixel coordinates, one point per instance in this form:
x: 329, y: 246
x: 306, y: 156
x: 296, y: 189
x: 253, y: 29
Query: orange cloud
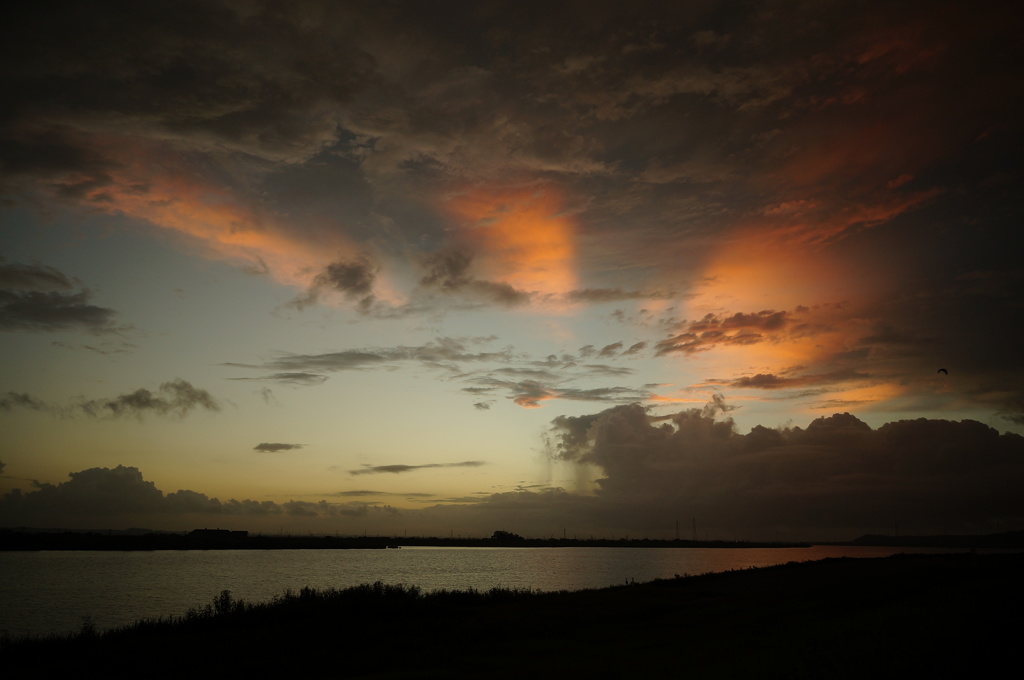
x: 161, y: 186
x: 802, y: 222
x: 783, y: 313
x: 521, y: 237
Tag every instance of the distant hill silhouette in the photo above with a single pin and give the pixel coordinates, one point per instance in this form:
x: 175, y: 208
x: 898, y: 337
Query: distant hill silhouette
x: 1008, y: 539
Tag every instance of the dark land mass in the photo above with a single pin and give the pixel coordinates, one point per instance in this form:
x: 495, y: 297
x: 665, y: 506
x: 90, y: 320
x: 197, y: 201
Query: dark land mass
x: 951, y: 615
x: 227, y: 540
x: 1007, y: 539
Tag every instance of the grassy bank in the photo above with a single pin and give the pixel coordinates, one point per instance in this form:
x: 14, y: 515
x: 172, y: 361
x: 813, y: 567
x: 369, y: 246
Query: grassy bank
x: 925, y: 615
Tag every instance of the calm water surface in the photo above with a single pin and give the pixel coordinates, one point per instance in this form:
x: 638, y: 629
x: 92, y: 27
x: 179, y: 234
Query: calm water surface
x: 54, y: 591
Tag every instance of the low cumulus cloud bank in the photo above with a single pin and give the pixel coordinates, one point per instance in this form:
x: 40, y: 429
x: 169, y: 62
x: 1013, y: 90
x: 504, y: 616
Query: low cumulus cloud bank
x: 837, y: 473
x: 836, y: 478
x: 124, y: 494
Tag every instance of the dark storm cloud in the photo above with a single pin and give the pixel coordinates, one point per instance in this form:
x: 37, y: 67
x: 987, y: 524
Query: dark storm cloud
x: 496, y: 92
x: 274, y: 447
x: 397, y: 469
x: 41, y: 298
x: 837, y: 472
x: 177, y: 398
x: 48, y: 151
x: 822, y: 121
x: 184, y: 77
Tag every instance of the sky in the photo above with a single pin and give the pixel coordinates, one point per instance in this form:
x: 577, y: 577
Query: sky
x: 600, y: 269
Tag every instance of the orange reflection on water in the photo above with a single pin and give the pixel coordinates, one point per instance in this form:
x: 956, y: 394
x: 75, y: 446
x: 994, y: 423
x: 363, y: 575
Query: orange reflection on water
x: 521, y: 237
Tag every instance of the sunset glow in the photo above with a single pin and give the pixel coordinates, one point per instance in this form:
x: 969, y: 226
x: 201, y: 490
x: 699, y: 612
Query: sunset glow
x: 523, y: 238
x: 468, y: 266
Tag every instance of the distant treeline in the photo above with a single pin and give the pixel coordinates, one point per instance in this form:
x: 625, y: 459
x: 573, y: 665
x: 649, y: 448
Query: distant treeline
x: 28, y: 540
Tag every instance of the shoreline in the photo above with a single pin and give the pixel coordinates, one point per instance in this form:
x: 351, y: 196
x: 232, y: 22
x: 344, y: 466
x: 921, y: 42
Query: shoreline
x: 24, y: 541
x: 930, y: 614
x: 27, y: 540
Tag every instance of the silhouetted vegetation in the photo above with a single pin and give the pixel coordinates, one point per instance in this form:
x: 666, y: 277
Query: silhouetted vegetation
x: 919, y: 615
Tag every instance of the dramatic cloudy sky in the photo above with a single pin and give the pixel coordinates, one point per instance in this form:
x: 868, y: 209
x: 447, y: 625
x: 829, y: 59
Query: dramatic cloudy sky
x: 462, y: 266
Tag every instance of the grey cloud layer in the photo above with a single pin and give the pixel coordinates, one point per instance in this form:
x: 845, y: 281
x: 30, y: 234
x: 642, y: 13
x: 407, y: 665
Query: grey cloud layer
x: 526, y: 382
x: 373, y: 112
x: 398, y: 468
x: 504, y: 94
x: 41, y: 298
x: 175, y: 398
x: 273, y: 447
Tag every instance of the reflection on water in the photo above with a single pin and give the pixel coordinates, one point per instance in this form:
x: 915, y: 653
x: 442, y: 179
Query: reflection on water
x: 54, y: 591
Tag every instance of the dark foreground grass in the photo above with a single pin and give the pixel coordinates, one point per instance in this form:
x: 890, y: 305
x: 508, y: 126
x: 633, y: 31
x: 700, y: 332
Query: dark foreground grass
x: 908, y: 616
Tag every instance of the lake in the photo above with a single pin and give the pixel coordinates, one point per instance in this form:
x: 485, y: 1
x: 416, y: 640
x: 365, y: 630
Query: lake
x: 56, y: 591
